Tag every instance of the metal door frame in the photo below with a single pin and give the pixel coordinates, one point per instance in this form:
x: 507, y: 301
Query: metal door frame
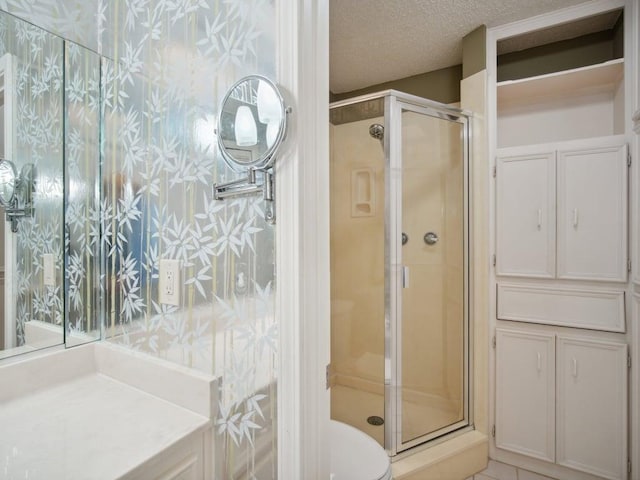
x: 395, y: 104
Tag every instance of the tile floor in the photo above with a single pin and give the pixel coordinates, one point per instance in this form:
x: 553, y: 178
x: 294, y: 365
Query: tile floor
x: 502, y: 471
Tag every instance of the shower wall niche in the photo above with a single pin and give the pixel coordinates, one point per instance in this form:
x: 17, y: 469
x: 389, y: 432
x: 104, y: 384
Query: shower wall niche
x: 399, y: 338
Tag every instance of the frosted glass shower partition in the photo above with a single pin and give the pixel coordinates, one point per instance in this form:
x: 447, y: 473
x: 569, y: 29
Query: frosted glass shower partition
x: 399, y: 268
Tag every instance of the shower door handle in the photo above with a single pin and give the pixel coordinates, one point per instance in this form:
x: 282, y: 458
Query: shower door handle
x: 405, y: 277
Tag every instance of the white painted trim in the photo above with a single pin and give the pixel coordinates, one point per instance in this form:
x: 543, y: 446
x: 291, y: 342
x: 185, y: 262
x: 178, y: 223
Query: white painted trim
x: 492, y: 140
x: 636, y: 122
x: 302, y: 241
x: 634, y: 386
x: 10, y: 318
x: 632, y: 104
x: 545, y: 20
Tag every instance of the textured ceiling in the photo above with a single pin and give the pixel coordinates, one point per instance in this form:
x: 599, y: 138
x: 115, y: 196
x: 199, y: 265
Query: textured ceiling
x: 376, y: 41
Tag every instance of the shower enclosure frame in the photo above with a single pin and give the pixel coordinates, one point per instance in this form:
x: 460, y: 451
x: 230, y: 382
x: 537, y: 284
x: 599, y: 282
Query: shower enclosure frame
x: 394, y: 104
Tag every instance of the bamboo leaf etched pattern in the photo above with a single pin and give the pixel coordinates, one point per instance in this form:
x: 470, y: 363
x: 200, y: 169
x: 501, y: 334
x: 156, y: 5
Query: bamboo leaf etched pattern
x: 165, y: 68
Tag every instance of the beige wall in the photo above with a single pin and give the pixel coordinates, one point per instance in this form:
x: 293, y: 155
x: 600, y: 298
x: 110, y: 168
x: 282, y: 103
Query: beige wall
x: 357, y: 254
x: 432, y: 305
x: 473, y: 99
x: 564, y: 55
x: 440, y: 85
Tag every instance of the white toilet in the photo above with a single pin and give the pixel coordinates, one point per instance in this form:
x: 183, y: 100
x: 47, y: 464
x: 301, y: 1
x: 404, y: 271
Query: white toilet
x: 355, y: 455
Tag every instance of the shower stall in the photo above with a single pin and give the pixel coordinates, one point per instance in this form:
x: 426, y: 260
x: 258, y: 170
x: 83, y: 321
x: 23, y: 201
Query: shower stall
x: 400, y: 268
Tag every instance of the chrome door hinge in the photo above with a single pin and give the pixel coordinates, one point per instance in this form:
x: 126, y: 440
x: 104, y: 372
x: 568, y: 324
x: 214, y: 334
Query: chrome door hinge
x: 629, y: 466
x: 328, y: 376
x: 493, y: 342
x: 494, y: 171
x: 493, y: 431
x: 493, y: 260
x: 628, y: 158
x: 629, y: 265
x: 629, y: 361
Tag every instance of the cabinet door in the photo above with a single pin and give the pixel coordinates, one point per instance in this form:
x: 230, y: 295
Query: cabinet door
x: 525, y: 389
x: 525, y: 217
x: 592, y: 407
x: 592, y: 213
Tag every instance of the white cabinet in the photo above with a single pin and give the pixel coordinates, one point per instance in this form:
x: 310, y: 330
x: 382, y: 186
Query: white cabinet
x: 525, y: 386
x: 592, y: 406
x: 583, y: 237
x: 563, y: 399
x: 592, y: 213
x: 526, y: 215
x: 184, y: 460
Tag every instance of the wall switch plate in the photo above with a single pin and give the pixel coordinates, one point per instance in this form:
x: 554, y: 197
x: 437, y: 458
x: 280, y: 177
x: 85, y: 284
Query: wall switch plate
x: 169, y: 284
x: 49, y: 270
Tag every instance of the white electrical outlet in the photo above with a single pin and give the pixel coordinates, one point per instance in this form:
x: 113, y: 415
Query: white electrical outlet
x: 48, y: 270
x: 169, y: 285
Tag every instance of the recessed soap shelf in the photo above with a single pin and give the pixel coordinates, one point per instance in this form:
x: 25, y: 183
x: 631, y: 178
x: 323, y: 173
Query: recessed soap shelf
x: 363, y: 194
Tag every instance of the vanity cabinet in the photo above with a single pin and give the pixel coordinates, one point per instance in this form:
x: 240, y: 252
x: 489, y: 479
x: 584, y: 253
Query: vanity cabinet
x: 563, y: 399
x: 561, y: 210
x: 182, y: 461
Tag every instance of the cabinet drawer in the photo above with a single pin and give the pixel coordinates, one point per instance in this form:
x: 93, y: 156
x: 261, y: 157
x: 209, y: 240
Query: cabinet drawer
x: 592, y: 309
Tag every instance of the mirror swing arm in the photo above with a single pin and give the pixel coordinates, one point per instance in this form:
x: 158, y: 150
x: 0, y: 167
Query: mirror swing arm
x: 248, y: 146
x: 249, y: 185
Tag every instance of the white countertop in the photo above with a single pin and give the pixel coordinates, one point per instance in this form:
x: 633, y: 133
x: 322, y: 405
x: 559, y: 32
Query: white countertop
x: 90, y: 427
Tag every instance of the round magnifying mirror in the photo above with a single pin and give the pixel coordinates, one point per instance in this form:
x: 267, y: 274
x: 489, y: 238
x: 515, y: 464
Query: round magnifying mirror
x: 251, y: 124
x: 7, y: 182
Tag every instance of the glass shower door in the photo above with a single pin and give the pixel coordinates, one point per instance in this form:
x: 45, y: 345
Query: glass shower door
x: 429, y: 188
